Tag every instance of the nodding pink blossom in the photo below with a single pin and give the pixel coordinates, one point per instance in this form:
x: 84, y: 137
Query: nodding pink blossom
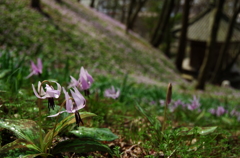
x: 85, y: 79
x: 74, y: 83
x: 220, y: 111
x: 73, y: 104
x: 84, y: 82
x: 36, y: 69
x: 50, y: 93
x: 112, y: 93
x: 195, y: 104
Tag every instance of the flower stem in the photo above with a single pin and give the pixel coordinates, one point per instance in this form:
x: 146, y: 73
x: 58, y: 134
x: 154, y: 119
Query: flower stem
x: 56, y: 121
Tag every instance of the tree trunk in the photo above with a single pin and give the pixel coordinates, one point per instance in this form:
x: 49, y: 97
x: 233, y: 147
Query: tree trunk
x: 36, y: 4
x: 206, y: 66
x: 114, y: 9
x: 165, y: 22
x: 123, y: 11
x: 183, y: 36
x: 92, y: 4
x: 130, y: 11
x: 134, y: 17
x: 158, y: 26
x: 223, y: 52
x: 58, y: 1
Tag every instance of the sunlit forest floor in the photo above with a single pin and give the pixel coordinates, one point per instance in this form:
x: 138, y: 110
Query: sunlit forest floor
x: 69, y: 36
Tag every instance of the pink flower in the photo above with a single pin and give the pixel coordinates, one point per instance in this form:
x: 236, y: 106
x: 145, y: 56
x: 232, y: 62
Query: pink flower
x: 50, y: 93
x: 85, y: 79
x: 112, y: 93
x: 73, y: 104
x: 84, y: 82
x: 219, y: 111
x: 195, y: 104
x: 36, y: 69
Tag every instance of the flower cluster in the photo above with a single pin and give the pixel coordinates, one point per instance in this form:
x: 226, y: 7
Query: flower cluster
x: 193, y: 105
x: 219, y: 111
x: 73, y: 103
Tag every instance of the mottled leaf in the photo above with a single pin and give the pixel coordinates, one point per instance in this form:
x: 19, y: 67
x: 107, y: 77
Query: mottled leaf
x: 62, y: 124
x: 23, y: 128
x: 19, y: 143
x: 80, y: 146
x: 35, y: 155
x: 101, y: 134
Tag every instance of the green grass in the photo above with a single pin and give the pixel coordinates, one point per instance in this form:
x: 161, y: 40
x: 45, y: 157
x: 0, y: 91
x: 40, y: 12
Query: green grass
x: 65, y: 44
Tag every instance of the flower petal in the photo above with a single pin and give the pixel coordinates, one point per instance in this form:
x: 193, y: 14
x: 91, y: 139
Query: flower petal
x: 57, y: 114
x: 36, y: 94
x: 78, y: 98
x: 69, y: 103
x: 34, y: 67
x: 39, y: 65
x: 40, y: 89
x: 73, y: 82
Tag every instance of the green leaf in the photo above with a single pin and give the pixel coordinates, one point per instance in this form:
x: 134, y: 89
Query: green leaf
x: 19, y: 143
x: 197, y: 130
x: 150, y: 119
x: 35, y: 155
x: 206, y: 130
x: 227, y: 120
x: 101, y: 134
x: 23, y: 128
x: 4, y: 73
x: 80, y: 146
x: 62, y: 124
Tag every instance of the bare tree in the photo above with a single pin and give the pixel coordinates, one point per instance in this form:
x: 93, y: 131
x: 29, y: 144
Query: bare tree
x: 92, y: 4
x: 223, y: 52
x: 133, y: 10
x: 58, y: 1
x: 36, y: 4
x: 123, y: 15
x: 163, y: 22
x: 183, y: 36
x: 160, y: 19
x: 206, y: 66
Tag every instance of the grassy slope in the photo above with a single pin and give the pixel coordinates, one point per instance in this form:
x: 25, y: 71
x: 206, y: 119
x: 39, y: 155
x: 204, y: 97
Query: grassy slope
x: 83, y: 36
x: 77, y: 36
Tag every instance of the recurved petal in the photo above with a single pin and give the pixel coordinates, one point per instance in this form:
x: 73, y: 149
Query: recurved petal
x: 89, y: 77
x: 84, y: 84
x: 69, y: 103
x: 40, y: 89
x: 32, y: 73
x: 78, y: 98
x: 36, y: 94
x: 58, y: 91
x: 34, y: 67
x: 57, y: 114
x: 39, y: 65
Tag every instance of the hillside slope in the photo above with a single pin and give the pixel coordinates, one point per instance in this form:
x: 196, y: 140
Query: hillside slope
x: 84, y: 37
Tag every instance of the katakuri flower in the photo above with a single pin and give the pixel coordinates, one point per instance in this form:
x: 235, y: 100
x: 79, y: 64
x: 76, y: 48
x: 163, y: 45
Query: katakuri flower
x: 73, y: 104
x: 112, y: 93
x: 219, y: 111
x: 85, y: 79
x: 83, y: 83
x: 36, y: 69
x: 49, y: 94
x: 195, y: 104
